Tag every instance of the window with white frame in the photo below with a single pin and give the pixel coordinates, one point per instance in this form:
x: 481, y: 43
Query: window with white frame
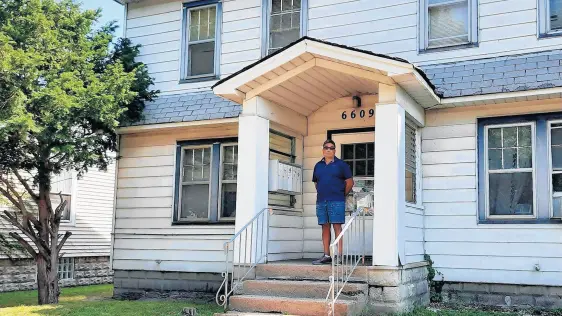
x: 229, y: 176
x: 411, y: 163
x: 206, y: 178
x: 556, y: 167
x: 520, y: 169
x: 62, y: 186
x: 510, y: 170
x: 66, y: 268
x: 550, y: 16
x: 285, y: 21
x: 201, y: 39
x: 446, y: 23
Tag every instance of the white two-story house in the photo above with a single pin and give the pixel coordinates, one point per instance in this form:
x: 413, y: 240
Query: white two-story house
x: 449, y: 113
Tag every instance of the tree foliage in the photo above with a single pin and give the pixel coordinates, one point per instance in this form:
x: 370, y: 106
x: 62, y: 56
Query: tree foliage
x: 63, y: 93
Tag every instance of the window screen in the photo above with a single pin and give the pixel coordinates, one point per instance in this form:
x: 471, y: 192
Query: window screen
x: 201, y: 41
x: 448, y: 22
x: 284, y: 23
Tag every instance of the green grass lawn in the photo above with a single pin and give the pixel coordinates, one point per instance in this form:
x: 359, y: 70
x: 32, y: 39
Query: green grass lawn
x: 94, y: 300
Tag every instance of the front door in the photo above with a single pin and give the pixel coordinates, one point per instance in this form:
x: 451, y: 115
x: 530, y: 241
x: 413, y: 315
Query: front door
x: 358, y: 150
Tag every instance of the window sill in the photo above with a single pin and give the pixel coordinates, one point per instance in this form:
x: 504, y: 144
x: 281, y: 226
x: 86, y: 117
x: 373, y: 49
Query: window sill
x: 416, y: 206
x: 199, y: 79
x: 550, y: 35
x: 516, y: 221
x: 203, y: 223
x: 448, y: 48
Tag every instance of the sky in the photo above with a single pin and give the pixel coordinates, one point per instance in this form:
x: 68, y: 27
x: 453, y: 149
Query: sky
x: 111, y: 10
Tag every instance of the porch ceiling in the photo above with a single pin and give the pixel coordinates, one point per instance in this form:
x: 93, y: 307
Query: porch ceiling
x: 309, y: 73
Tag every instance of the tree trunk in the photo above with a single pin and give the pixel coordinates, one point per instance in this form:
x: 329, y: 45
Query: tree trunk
x: 47, y: 266
x: 47, y: 286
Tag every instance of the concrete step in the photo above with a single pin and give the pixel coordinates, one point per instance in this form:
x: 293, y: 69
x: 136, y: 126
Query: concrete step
x: 234, y: 313
x: 300, y: 289
x: 302, y: 271
x: 287, y: 305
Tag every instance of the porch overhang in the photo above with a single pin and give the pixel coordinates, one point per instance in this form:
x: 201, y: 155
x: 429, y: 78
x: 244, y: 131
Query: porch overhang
x: 310, y: 73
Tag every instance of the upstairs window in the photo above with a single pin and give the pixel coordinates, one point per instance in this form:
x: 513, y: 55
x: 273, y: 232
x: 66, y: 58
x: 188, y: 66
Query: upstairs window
x: 285, y: 22
x: 201, y: 40
x: 447, y: 23
x: 550, y: 17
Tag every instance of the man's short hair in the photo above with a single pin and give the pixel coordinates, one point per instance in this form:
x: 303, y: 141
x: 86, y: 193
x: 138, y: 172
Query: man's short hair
x: 329, y: 141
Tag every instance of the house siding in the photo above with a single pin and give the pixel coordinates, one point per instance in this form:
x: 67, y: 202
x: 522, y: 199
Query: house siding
x: 463, y: 250
x: 145, y: 238
x: 92, y: 208
x: 157, y: 26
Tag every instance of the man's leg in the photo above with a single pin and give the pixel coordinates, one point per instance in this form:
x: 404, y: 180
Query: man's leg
x: 326, y: 238
x: 337, y: 232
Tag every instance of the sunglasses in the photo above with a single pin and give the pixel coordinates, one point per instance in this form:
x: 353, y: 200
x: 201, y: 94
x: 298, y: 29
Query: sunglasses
x: 329, y: 148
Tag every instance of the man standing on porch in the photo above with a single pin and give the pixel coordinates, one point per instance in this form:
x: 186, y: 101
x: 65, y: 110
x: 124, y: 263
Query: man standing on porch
x: 333, y: 180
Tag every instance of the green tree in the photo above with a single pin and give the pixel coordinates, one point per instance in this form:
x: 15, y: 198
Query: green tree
x: 63, y: 92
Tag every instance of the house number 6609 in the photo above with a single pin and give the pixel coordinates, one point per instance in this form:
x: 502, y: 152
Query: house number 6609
x: 354, y: 114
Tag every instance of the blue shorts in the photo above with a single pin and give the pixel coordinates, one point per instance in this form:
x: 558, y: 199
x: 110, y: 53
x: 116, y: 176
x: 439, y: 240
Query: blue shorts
x: 330, y: 212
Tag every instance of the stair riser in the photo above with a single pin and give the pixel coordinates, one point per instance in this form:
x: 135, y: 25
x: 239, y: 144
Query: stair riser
x: 303, y: 272
x: 301, y: 290
x: 286, y: 306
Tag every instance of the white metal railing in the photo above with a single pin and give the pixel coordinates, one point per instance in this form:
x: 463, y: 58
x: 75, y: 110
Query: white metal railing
x: 352, y: 239
x: 243, y: 253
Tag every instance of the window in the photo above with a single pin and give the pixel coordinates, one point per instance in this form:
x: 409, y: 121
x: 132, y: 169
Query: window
x: 282, y: 148
x: 201, y: 40
x: 228, y: 180
x: 520, y: 169
x: 63, y: 183
x: 66, y: 268
x: 360, y: 158
x: 550, y: 20
x: 285, y: 21
x: 206, y: 181
x: 556, y: 167
x: 411, y: 163
x: 56, y: 201
x: 510, y: 170
x: 447, y: 23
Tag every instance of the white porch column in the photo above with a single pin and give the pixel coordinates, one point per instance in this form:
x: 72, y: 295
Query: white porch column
x: 389, y: 183
x: 253, y: 165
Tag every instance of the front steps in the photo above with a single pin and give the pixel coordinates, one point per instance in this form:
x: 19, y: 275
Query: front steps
x: 295, y: 288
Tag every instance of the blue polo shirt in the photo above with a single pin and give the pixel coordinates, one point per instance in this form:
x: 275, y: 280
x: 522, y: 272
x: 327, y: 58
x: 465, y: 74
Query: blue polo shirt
x: 330, y: 179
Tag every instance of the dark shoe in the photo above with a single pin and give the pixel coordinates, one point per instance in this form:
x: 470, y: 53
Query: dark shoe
x: 323, y: 260
x: 338, y: 260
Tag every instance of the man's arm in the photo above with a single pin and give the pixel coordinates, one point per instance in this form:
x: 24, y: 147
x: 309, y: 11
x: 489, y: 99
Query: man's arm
x: 348, y: 185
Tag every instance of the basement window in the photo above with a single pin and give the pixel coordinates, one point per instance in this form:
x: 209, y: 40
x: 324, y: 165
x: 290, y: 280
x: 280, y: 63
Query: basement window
x: 66, y: 269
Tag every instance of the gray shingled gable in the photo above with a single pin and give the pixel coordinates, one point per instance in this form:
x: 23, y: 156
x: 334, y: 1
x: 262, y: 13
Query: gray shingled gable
x: 188, y: 107
x: 495, y: 75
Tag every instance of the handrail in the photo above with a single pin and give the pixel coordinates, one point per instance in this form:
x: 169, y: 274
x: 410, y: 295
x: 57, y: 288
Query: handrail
x: 343, y: 266
x: 249, y: 254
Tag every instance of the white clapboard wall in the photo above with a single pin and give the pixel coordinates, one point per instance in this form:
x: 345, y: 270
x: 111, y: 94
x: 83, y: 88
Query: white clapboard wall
x: 462, y: 249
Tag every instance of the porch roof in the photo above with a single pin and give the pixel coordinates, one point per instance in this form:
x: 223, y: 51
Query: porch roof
x: 310, y: 73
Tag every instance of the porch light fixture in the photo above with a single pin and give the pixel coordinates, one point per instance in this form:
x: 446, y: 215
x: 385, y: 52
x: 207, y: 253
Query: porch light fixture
x: 356, y: 101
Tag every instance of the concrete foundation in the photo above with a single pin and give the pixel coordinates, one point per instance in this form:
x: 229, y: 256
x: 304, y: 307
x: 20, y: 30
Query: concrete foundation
x: 509, y: 295
x: 397, y: 290
x: 21, y: 275
x: 135, y: 284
